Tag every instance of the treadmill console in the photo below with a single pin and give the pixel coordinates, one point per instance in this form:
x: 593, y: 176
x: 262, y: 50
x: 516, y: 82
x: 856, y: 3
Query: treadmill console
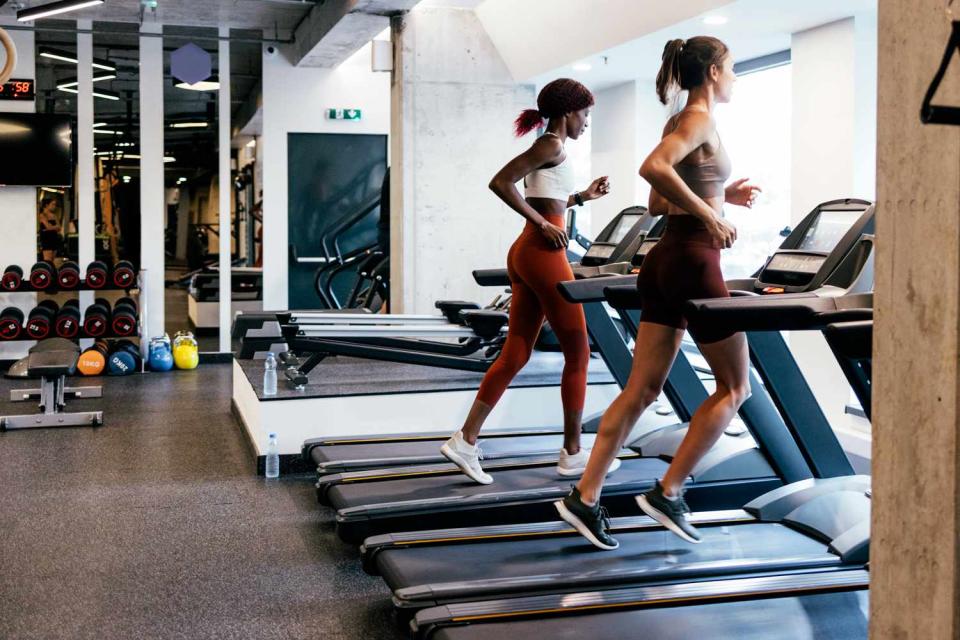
x: 623, y: 226
x: 597, y: 254
x: 791, y: 268
x: 643, y: 250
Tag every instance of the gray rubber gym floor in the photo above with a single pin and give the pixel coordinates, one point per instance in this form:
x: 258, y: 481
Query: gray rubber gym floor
x: 152, y: 526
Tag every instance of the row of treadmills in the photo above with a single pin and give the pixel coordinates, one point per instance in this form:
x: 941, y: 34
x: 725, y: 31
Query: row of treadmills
x: 784, y: 518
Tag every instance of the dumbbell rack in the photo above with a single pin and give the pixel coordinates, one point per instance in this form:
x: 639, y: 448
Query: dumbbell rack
x: 53, y: 292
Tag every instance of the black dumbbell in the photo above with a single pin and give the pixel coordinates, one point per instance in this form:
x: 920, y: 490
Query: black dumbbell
x: 41, y: 319
x: 42, y: 275
x: 124, y: 358
x: 68, y: 320
x: 68, y: 275
x: 97, y: 274
x: 124, y: 275
x: 96, y: 319
x: 12, y: 277
x: 11, y: 323
x: 124, y: 321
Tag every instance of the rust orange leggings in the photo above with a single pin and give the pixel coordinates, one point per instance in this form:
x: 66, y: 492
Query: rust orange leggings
x: 535, y: 269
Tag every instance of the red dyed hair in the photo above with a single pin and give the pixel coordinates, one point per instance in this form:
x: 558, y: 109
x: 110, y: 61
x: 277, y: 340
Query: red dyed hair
x: 556, y: 99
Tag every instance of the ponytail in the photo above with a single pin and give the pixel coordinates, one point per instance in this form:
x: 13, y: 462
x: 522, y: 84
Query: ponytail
x: 527, y: 121
x: 685, y: 64
x: 668, y: 78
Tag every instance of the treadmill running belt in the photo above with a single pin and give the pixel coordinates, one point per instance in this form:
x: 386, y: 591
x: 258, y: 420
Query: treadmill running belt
x: 833, y: 616
x: 657, y: 551
x: 635, y: 471
x: 428, y: 451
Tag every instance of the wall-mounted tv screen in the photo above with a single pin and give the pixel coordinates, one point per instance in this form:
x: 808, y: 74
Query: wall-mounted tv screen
x: 36, y: 150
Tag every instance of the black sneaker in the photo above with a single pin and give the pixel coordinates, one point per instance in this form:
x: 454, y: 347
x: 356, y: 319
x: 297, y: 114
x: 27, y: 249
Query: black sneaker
x: 672, y: 514
x: 591, y: 522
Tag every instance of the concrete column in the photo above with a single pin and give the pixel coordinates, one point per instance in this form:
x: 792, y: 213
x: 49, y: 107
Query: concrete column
x: 226, y: 188
x: 916, y: 462
x: 152, y: 194
x: 454, y: 102
x: 86, y: 187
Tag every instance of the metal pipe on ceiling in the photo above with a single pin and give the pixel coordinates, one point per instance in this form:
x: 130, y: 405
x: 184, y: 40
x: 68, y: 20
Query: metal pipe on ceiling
x: 121, y: 32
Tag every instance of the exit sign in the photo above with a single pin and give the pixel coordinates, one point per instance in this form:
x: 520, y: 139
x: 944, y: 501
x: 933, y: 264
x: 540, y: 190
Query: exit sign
x: 343, y: 114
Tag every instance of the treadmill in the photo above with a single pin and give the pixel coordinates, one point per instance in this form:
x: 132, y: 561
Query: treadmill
x: 610, y: 254
x: 808, y: 540
x: 824, y: 602
x: 412, y: 497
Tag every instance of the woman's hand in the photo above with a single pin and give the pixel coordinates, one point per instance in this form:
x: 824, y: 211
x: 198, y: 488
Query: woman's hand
x: 556, y: 236
x: 724, y: 234
x: 597, y: 189
x: 741, y: 193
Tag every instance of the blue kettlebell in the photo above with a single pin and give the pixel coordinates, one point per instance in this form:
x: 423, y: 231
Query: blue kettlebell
x: 161, y: 356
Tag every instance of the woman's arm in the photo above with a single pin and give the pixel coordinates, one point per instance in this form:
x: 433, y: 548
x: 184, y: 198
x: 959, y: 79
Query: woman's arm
x: 597, y: 189
x: 545, y: 151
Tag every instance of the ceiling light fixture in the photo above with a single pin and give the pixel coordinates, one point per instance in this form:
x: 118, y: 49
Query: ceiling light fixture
x: 582, y: 66
x: 189, y: 125
x: 168, y: 159
x: 210, y: 84
x: 73, y: 82
x: 715, y: 21
x: 55, y: 8
x: 106, y: 132
x: 66, y: 56
x: 98, y: 93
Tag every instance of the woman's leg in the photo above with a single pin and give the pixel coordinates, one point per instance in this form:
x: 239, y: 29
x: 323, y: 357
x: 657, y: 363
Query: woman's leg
x: 653, y: 355
x: 526, y: 318
x: 729, y: 361
x: 568, y: 323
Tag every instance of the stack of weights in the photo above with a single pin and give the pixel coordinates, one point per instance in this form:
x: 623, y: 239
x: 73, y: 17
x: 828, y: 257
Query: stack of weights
x: 68, y: 275
x: 42, y: 276
x: 67, y: 324
x: 161, y: 354
x: 11, y: 323
x: 185, y: 352
x: 42, y: 319
x: 97, y: 318
x: 97, y: 274
x: 124, y: 318
x: 12, y: 278
x: 123, y: 275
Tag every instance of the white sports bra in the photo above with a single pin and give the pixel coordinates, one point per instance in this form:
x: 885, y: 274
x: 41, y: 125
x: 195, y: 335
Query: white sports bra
x: 556, y: 183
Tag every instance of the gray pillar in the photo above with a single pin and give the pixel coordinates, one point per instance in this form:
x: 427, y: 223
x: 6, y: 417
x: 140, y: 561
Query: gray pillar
x: 453, y: 106
x: 916, y: 461
x: 152, y: 194
x: 226, y: 189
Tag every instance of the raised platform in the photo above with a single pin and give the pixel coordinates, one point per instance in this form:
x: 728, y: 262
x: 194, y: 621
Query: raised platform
x: 347, y: 396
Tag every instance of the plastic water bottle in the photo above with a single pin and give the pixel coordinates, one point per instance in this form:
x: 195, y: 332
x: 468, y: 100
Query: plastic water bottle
x: 273, y: 458
x: 270, y: 375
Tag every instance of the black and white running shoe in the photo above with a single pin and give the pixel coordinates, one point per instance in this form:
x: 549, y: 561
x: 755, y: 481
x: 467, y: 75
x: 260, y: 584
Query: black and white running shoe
x: 591, y: 522
x: 672, y: 514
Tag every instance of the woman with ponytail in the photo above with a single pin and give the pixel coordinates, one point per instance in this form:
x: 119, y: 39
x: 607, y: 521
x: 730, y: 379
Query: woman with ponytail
x: 537, y: 261
x: 686, y: 172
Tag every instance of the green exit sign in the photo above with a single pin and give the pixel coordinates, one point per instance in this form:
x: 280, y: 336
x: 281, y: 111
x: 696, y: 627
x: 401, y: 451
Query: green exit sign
x: 343, y: 114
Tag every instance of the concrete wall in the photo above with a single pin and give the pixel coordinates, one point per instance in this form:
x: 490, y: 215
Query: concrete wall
x: 833, y: 156
x: 626, y: 124
x: 294, y: 101
x: 18, y: 205
x: 454, y: 104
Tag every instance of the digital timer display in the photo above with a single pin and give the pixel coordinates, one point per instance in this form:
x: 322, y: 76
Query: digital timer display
x: 18, y: 90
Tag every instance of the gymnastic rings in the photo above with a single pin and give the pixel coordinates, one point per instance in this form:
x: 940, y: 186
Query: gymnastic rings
x: 11, y: 62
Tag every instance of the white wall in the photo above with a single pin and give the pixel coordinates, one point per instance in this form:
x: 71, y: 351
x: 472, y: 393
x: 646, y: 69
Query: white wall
x: 454, y: 105
x: 626, y: 124
x: 833, y: 155
x: 294, y: 101
x: 18, y: 205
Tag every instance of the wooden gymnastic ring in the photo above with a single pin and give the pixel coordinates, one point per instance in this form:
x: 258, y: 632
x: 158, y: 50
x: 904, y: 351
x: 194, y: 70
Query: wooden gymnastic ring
x: 11, y: 61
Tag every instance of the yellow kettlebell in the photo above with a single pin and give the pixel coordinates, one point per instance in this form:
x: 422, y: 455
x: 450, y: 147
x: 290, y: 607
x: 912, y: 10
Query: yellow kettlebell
x: 186, y: 356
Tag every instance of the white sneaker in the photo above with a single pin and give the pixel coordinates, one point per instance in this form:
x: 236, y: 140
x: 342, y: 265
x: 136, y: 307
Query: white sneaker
x: 466, y: 456
x: 574, y: 465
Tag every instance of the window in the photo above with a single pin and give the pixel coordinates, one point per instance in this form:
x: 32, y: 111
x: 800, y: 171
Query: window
x: 755, y: 129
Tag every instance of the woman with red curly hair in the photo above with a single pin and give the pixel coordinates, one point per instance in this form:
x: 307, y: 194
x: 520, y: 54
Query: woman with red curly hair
x: 537, y: 261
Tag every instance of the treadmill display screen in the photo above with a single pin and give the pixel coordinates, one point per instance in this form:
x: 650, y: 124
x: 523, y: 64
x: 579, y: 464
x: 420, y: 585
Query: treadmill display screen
x: 826, y: 231
x: 620, y: 232
x: 796, y: 263
x: 599, y: 251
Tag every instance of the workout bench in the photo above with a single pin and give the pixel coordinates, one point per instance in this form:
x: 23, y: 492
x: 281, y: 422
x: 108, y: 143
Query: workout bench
x: 51, y: 361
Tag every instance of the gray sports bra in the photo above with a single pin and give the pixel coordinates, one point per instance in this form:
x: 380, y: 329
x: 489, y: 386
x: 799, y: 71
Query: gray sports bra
x: 707, y: 179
